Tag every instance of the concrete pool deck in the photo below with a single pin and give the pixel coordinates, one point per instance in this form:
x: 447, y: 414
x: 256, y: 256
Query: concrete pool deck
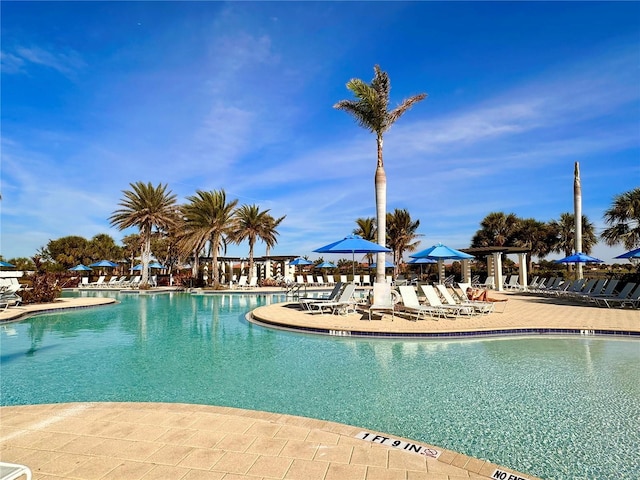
x: 177, y: 441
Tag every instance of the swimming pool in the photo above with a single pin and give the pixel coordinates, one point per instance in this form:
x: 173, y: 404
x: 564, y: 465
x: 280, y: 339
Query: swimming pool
x: 561, y: 408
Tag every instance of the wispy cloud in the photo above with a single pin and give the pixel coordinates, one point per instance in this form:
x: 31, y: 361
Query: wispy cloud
x: 67, y: 63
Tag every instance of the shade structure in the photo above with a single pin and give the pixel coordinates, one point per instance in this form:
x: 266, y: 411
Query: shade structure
x: 440, y: 253
x: 104, y: 263
x: 352, y: 244
x: 300, y: 261
x: 579, y: 258
x: 151, y: 265
x: 80, y: 268
x: 630, y: 254
x: 325, y: 265
x: 6, y: 264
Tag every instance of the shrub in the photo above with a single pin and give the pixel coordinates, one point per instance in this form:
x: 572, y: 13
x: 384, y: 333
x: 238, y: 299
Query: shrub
x: 45, y: 288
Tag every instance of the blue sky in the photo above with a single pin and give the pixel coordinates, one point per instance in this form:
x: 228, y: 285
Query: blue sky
x: 238, y: 96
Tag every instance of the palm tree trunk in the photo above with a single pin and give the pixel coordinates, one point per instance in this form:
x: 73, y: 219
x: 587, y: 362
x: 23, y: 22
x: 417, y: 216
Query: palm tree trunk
x: 381, y: 211
x: 146, y: 255
x: 250, y: 258
x: 214, y: 256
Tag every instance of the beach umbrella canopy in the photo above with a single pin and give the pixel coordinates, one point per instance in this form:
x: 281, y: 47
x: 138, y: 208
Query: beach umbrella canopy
x: 352, y: 244
x: 104, y: 263
x: 325, y: 265
x: 6, y: 264
x: 387, y: 264
x: 579, y: 258
x: 157, y: 265
x: 441, y: 253
x: 422, y: 261
x: 80, y: 268
x: 300, y: 261
x: 630, y: 254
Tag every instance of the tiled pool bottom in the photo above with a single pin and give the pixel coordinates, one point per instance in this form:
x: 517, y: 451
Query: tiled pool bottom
x: 543, y: 406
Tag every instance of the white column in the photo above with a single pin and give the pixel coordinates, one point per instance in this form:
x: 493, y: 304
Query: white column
x: 522, y: 280
x: 497, y: 260
x: 466, y: 271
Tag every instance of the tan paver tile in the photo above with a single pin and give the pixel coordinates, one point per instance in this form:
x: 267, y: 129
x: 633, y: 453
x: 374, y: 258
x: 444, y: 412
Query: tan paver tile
x: 263, y: 429
x: 474, y: 465
x: 202, y: 458
x: 306, y: 470
x: 338, y: 471
x: 204, y: 475
x: 177, y: 436
x: 237, y: 424
x: 407, y: 461
x: 271, y: 467
x: 204, y: 439
x: 95, y: 468
x: 292, y: 432
x: 145, y: 432
x: 235, y: 462
x: 166, y: 472
x: 460, y: 461
x: 370, y: 456
x: 170, y: 454
x: 235, y: 442
x: 378, y: 473
x: 299, y: 449
x: 128, y: 470
x: 334, y: 453
x: 413, y: 475
x: 267, y: 446
x: 321, y: 436
x: 82, y: 444
x: 63, y: 464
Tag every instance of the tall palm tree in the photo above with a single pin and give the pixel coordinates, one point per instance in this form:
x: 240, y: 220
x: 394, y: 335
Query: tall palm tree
x: 366, y: 229
x: 251, y: 224
x: 208, y: 218
x: 146, y: 207
x: 536, y: 236
x: 270, y: 239
x: 624, y: 220
x: 371, y: 111
x: 401, y: 234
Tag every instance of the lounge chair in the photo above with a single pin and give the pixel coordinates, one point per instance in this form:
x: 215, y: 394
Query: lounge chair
x: 310, y: 281
x: 253, y: 283
x: 488, y: 283
x: 320, y: 280
x: 343, y: 279
x: 343, y: 305
x: 478, y: 305
x: 569, y: 287
x: 97, y: 283
x: 331, y: 297
x: 331, y: 280
x: 468, y: 307
x: 622, y: 298
x: 356, y: 279
x: 412, y: 305
x: 382, y: 300
x: 433, y: 299
x: 512, y: 283
x: 13, y: 471
x: 586, y: 288
x: 242, y: 282
x: 366, y: 280
x: 608, y: 290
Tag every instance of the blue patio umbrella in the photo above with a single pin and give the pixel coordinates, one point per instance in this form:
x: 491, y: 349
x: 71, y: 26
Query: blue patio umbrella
x: 151, y: 265
x: 387, y: 264
x: 579, y: 258
x: 300, y: 261
x: 441, y: 253
x: 6, y: 264
x: 352, y: 244
x: 104, y: 263
x: 325, y: 265
x: 422, y: 261
x: 630, y: 254
x: 80, y: 268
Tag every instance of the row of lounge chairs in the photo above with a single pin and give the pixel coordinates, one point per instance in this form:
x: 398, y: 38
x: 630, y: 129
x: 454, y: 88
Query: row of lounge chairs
x: 116, y: 282
x: 603, y: 293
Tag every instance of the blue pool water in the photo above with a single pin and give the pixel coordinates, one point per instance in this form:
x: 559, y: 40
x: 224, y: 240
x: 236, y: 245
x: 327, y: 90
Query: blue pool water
x: 555, y: 407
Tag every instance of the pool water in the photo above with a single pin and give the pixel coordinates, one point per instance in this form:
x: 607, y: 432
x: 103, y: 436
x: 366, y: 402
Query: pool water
x: 554, y: 407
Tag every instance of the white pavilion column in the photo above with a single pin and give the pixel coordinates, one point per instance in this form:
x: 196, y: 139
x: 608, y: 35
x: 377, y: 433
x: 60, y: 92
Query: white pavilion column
x: 441, y: 271
x: 267, y: 267
x: 466, y: 271
x: 491, y: 271
x: 497, y: 276
x: 522, y: 260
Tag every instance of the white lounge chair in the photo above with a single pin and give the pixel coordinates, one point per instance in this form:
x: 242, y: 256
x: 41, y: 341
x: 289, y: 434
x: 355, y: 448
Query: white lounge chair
x: 13, y: 471
x: 412, y: 305
x: 382, y: 300
x: 433, y: 299
x: 356, y: 279
x: 366, y: 280
x: 331, y: 297
x: 467, y: 308
x: 480, y: 306
x: 343, y: 305
x: 242, y: 282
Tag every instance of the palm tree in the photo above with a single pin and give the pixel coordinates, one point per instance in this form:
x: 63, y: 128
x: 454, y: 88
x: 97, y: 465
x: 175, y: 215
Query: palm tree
x: 401, y: 234
x: 271, y: 233
x: 253, y: 224
x: 565, y: 229
x: 497, y: 229
x: 536, y: 236
x: 624, y: 220
x: 367, y: 230
x: 207, y: 218
x: 370, y: 110
x: 146, y: 207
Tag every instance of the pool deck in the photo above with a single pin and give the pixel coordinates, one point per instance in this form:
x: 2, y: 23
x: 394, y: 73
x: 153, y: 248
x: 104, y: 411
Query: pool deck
x: 133, y: 441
